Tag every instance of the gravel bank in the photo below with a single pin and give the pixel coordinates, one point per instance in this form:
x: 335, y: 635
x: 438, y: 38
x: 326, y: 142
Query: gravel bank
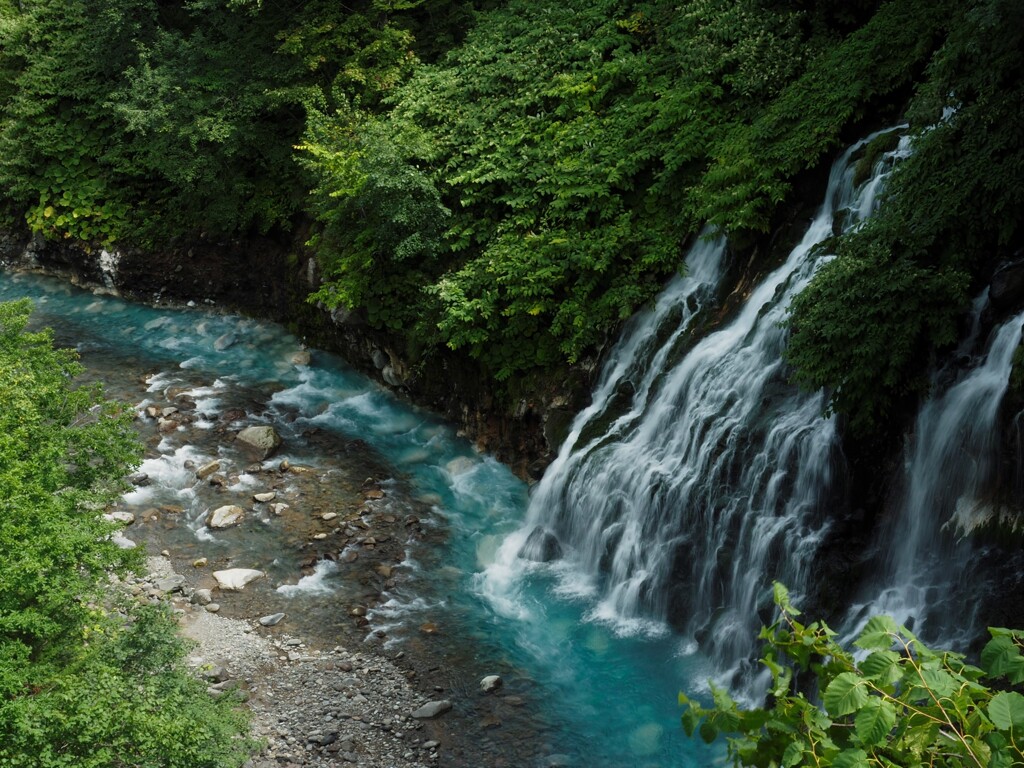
x: 311, y: 707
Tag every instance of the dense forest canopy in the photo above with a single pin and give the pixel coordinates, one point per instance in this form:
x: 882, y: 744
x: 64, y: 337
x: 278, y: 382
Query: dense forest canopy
x: 513, y: 179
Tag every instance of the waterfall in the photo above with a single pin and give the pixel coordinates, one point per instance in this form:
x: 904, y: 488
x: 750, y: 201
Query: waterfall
x: 925, y: 579
x: 698, y: 474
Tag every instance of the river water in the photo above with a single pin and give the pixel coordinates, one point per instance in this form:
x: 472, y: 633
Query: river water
x: 576, y: 692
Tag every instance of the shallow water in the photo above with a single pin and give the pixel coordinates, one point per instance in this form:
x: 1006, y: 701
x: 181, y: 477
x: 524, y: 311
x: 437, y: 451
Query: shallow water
x: 573, y: 687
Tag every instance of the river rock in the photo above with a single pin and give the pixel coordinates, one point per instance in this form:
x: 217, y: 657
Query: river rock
x: 170, y: 584
x: 272, y: 620
x: 138, y: 478
x: 212, y: 607
x: 265, y: 497
x: 279, y: 508
x: 120, y: 516
x: 302, y: 357
x: 207, y: 469
x: 262, y: 440
x: 225, y: 517
x: 432, y: 709
x: 491, y: 683
x: 235, y: 579
x: 223, y: 342
x: 541, y: 546
x: 203, y: 596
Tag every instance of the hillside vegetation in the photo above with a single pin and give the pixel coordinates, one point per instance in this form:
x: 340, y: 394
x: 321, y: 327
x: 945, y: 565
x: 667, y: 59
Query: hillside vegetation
x: 513, y: 179
x: 89, y: 677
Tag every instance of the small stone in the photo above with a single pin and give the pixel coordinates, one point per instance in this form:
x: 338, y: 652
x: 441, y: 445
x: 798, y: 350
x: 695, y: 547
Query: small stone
x: 328, y: 515
x: 265, y: 497
x: 121, y: 516
x: 215, y: 673
x: 320, y: 536
x: 491, y: 683
x: 207, y: 469
x: 225, y: 341
x: 225, y: 517
x: 262, y: 440
x: 170, y: 584
x: 168, y: 411
x: 429, y: 628
x: 431, y: 744
x: 432, y: 709
x: 279, y: 508
x: 166, y: 425
x: 272, y: 620
x: 152, y: 411
x: 203, y: 596
x: 373, y: 494
x: 200, y: 562
x: 213, y: 607
x: 302, y: 357
x: 138, y: 478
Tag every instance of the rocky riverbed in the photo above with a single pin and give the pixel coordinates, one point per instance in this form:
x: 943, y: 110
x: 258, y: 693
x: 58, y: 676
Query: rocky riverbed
x: 311, y: 706
x: 284, y: 572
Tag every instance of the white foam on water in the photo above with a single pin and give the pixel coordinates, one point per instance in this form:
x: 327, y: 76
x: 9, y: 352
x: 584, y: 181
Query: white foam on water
x: 167, y: 473
x: 316, y: 583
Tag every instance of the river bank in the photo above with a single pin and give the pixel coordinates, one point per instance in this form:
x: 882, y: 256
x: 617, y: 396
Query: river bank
x: 310, y: 706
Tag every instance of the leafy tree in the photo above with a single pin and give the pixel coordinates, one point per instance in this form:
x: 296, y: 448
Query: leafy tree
x: 87, y: 676
x: 897, y: 703
x: 872, y: 320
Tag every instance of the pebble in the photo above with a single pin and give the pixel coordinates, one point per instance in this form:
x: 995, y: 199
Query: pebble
x: 271, y: 620
x: 213, y: 607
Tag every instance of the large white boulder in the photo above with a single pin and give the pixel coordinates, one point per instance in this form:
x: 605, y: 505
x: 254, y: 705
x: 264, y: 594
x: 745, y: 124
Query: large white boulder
x: 225, y: 517
x: 235, y: 579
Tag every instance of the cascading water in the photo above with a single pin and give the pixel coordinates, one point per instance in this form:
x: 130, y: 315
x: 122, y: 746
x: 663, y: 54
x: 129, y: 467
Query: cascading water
x: 950, y: 464
x: 715, y: 477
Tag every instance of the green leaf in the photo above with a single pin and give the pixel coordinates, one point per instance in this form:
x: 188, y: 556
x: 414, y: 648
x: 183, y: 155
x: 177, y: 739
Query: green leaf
x: 879, y: 634
x: 690, y: 720
x: 1002, y: 657
x: 1006, y: 710
x: 874, y: 721
x: 708, y: 732
x: 941, y: 683
x: 851, y: 758
x: 882, y: 667
x: 845, y: 695
x: 793, y: 754
x: 781, y: 597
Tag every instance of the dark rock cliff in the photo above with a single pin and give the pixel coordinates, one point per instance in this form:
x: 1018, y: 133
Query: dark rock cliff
x: 270, y: 278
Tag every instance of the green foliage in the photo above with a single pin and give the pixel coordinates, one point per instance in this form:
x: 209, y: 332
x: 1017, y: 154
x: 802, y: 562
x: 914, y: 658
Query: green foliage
x: 86, y: 679
x: 870, y: 322
x: 562, y: 146
x: 898, y: 703
x: 866, y: 321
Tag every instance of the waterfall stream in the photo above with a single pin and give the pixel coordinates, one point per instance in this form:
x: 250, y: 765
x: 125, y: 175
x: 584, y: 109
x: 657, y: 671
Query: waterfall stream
x: 925, y: 575
x: 697, y: 475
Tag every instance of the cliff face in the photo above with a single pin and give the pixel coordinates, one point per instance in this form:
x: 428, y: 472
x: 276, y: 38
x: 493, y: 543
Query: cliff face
x: 270, y: 278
